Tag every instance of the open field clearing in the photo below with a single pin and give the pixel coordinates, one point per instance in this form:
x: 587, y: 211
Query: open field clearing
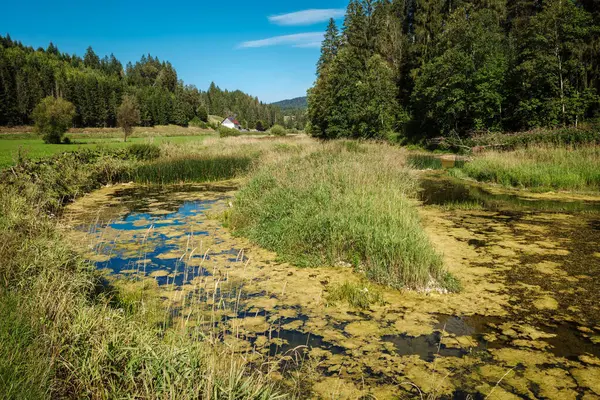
x: 30, y: 146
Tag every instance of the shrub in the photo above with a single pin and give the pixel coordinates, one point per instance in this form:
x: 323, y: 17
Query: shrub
x: 197, y: 122
x: 226, y: 132
x: 260, y: 126
x: 510, y: 141
x: 202, y: 114
x: 278, y: 130
x: 52, y: 118
x: 143, y: 151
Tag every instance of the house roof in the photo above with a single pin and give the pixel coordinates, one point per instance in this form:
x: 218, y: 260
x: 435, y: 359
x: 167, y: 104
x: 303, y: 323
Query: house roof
x: 232, y: 120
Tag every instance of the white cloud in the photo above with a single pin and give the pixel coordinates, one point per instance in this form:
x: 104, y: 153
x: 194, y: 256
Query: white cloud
x: 310, y: 45
x: 308, y: 39
x: 307, y: 17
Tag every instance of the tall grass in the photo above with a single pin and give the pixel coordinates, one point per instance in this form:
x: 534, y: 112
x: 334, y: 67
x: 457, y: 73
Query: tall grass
x: 64, y: 333
x: 539, y: 167
x: 338, y: 206
x: 357, y: 295
x: 190, y: 169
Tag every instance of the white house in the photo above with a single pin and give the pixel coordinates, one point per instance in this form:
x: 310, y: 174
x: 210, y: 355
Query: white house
x: 231, y: 123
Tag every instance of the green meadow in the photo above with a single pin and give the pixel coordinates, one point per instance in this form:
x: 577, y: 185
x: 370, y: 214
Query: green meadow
x: 30, y: 146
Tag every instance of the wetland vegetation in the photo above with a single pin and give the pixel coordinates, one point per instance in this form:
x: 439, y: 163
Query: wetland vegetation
x: 162, y: 292
x: 539, y: 168
x: 334, y: 206
x: 207, y: 262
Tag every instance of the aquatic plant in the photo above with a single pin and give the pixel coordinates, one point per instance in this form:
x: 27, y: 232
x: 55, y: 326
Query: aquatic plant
x: 538, y: 167
x: 193, y: 168
x: 337, y: 205
x: 424, y: 161
x: 359, y: 295
x: 65, y: 333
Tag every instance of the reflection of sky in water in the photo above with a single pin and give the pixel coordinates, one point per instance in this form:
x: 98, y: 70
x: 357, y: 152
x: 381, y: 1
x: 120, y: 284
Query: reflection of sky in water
x: 150, y: 246
x: 143, y: 221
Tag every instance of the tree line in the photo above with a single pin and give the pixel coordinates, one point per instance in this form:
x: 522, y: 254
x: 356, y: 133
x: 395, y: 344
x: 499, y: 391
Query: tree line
x: 96, y: 87
x: 423, y: 68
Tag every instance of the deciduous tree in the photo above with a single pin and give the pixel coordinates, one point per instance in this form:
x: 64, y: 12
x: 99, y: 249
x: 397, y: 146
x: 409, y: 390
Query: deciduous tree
x: 53, y: 117
x: 128, y: 115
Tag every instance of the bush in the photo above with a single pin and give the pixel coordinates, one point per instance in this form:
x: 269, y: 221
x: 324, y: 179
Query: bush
x: 143, y: 151
x: 198, y: 123
x: 226, y: 132
x: 52, y: 118
x: 202, y: 114
x: 260, y: 126
x: 278, y: 130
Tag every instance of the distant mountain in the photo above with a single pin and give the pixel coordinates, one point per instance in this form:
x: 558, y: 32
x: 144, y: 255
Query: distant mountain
x: 298, y: 102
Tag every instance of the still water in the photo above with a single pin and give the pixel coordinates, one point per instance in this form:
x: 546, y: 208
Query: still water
x: 528, y: 314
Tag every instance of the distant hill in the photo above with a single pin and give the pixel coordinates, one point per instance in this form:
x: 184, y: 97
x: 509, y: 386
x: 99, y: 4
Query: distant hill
x: 298, y: 102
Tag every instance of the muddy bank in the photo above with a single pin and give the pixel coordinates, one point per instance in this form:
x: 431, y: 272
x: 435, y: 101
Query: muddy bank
x: 527, y: 311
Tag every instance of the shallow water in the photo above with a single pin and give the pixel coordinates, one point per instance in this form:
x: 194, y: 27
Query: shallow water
x: 529, y: 307
x: 436, y: 190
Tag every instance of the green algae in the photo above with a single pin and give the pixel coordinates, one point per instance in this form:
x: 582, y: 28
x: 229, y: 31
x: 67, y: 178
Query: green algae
x: 522, y: 267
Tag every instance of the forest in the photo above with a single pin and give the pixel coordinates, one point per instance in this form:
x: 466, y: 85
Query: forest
x: 97, y: 85
x: 416, y: 69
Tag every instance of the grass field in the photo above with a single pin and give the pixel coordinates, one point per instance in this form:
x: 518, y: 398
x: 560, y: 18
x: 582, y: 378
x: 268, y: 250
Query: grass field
x: 33, y: 147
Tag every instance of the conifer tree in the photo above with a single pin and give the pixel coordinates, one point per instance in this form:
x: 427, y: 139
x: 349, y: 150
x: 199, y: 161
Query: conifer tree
x: 91, y: 60
x: 329, y: 47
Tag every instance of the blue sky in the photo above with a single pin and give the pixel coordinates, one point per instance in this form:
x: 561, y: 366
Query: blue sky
x: 266, y: 48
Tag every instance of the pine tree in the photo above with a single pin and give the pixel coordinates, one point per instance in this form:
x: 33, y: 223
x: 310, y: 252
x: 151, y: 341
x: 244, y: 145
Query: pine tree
x: 202, y: 113
x: 329, y: 47
x: 91, y: 60
x: 462, y: 88
x: 382, y: 110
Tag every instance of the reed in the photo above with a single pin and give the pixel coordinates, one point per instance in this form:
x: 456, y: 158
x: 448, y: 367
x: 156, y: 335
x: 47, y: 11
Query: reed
x: 540, y: 167
x: 194, y: 168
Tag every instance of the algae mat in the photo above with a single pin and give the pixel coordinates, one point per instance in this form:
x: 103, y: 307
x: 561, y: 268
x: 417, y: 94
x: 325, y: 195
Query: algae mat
x: 526, y: 317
